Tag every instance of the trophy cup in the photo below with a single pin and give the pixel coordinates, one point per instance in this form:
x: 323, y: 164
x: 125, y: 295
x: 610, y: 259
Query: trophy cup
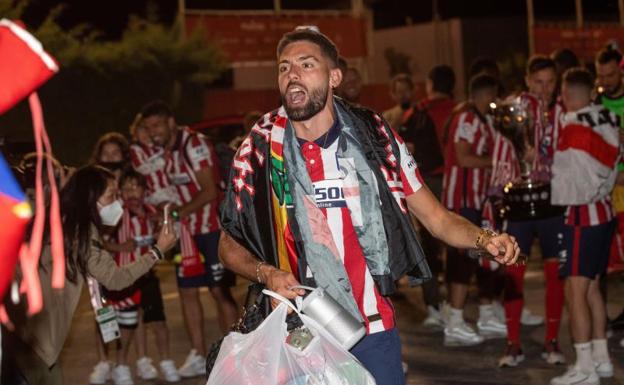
x: 526, y: 197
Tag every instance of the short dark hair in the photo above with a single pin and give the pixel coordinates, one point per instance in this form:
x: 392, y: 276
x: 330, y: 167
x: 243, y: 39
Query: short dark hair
x: 401, y: 78
x: 565, y: 58
x: 132, y: 174
x: 579, y: 76
x: 111, y: 137
x: 608, y: 54
x: 540, y: 62
x: 156, y: 108
x: 483, y: 64
x: 481, y: 82
x: 328, y: 48
x: 443, y: 79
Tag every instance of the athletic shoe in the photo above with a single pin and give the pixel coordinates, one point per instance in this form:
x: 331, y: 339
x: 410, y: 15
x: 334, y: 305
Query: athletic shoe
x: 434, y: 318
x: 530, y: 319
x: 512, y: 358
x: 604, y: 369
x: 461, y: 335
x: 575, y: 376
x: 195, y: 365
x: 552, y: 354
x: 145, y: 369
x: 122, y: 376
x: 168, y: 369
x: 491, y: 327
x: 101, y: 373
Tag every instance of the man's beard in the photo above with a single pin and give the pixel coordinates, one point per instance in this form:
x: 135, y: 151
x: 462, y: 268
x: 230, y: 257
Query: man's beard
x: 317, y: 99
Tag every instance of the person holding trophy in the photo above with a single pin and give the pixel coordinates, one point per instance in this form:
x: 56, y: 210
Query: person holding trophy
x: 520, y: 188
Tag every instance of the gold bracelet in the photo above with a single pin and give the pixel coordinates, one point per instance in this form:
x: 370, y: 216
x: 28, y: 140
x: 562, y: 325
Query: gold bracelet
x: 484, y: 232
x: 258, y: 271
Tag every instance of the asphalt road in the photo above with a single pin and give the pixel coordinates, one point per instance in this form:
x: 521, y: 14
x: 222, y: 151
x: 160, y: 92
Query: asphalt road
x: 429, y: 361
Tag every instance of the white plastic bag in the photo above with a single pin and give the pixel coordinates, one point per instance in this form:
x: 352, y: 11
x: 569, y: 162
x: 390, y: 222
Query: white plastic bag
x: 263, y: 357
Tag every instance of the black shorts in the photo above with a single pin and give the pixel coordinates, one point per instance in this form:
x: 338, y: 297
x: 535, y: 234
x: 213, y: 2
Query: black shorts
x: 549, y: 231
x: 215, y: 274
x: 586, y: 250
x: 151, y: 300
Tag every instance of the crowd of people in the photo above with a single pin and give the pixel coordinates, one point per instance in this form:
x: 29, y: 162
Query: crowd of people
x: 430, y: 175
x: 577, y: 236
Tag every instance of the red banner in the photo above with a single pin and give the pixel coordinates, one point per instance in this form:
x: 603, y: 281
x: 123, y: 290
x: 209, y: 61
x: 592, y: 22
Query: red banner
x: 585, y: 42
x: 246, y: 38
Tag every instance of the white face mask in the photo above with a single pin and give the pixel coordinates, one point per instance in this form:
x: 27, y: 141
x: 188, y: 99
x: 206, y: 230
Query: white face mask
x: 111, y: 213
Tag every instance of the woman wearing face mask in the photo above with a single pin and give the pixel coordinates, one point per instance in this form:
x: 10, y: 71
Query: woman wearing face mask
x: 89, y: 202
x: 112, y: 152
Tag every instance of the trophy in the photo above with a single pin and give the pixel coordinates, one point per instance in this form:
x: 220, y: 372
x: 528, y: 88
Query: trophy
x: 524, y: 198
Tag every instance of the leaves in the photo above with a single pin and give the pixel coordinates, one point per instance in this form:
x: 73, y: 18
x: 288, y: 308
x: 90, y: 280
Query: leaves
x: 102, y: 84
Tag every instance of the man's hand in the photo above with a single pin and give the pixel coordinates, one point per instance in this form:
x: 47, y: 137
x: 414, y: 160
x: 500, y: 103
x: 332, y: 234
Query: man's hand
x: 281, y: 282
x: 504, y: 248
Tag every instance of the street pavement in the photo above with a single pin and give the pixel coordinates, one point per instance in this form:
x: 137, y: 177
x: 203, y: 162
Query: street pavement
x: 429, y: 361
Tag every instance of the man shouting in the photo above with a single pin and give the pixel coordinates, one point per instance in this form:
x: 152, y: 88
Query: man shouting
x: 320, y: 194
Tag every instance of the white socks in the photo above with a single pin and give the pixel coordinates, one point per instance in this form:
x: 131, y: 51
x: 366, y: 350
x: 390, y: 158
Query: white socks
x: 456, y: 316
x: 584, y: 359
x: 600, y: 352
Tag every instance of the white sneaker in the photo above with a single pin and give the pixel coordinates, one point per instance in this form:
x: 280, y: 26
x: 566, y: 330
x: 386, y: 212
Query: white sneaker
x: 513, y: 357
x: 461, y: 335
x: 168, y: 369
x: 604, y: 369
x: 530, y: 319
x: 195, y: 365
x: 575, y: 376
x: 491, y: 327
x: 552, y: 353
x: 145, y: 369
x: 122, y: 376
x: 434, y: 318
x: 101, y: 373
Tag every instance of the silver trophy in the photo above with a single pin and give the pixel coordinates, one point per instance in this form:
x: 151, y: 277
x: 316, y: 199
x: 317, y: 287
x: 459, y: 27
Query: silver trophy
x: 524, y: 198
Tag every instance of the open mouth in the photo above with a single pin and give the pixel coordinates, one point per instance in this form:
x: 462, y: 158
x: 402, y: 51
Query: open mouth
x: 295, y: 95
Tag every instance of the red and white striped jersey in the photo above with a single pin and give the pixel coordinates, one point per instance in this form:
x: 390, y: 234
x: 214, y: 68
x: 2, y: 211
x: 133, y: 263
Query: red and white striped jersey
x: 150, y: 162
x: 591, y: 214
x: 584, y: 168
x: 191, y: 153
x: 325, y: 170
x: 467, y: 187
x: 141, y: 230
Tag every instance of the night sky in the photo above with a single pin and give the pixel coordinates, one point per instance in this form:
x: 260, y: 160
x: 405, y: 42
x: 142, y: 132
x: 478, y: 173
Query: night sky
x: 111, y: 16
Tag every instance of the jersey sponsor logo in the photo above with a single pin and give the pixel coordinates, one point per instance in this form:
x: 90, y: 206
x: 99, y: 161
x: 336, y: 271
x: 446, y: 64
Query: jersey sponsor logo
x: 180, y: 179
x: 329, y: 194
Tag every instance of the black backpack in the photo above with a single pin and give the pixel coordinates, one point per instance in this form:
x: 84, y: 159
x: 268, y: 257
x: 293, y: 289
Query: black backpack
x: 419, y: 129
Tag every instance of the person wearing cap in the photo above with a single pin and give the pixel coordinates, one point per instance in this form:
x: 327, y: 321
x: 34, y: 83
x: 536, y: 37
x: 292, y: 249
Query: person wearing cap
x: 321, y: 194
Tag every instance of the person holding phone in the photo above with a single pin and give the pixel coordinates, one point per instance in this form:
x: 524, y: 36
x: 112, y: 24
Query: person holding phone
x: 89, y: 202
